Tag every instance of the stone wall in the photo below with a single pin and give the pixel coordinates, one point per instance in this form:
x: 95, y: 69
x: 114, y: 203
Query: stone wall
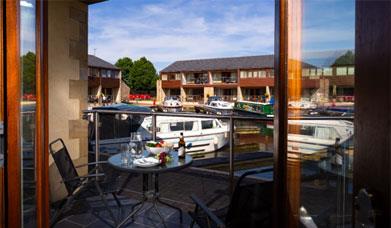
x: 208, y: 91
x: 159, y: 91
x: 68, y: 82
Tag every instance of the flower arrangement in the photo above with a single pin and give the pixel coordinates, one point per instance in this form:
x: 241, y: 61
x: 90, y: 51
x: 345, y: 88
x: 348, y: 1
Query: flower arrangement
x: 163, y: 157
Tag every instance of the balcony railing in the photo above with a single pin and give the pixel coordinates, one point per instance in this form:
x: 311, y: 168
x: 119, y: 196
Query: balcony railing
x: 234, y: 167
x: 96, y: 99
x: 230, y: 120
x: 197, y: 80
x: 194, y: 98
x: 225, y: 80
x: 257, y: 98
x: 229, y: 98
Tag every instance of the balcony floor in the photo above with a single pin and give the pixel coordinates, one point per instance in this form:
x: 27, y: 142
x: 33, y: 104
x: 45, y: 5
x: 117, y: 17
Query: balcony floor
x: 175, y: 188
x: 146, y: 218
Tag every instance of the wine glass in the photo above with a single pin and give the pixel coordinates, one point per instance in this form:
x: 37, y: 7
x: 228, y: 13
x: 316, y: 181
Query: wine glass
x: 124, y: 153
x: 133, y: 149
x: 136, y: 143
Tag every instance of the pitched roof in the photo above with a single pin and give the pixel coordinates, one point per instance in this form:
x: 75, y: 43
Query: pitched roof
x: 231, y: 63
x: 94, y: 61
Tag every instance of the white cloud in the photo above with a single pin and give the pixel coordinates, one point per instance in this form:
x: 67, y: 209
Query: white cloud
x: 26, y: 4
x: 182, y: 30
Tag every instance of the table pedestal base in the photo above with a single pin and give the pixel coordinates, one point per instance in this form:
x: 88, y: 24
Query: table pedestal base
x: 153, y: 196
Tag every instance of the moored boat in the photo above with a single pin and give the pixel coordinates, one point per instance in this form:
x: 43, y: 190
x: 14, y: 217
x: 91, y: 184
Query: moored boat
x: 205, y: 135
x: 172, y: 104
x: 316, y: 137
x: 254, y: 108
x: 215, y: 105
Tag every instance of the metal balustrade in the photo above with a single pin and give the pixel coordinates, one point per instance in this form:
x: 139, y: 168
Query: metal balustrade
x: 229, y: 118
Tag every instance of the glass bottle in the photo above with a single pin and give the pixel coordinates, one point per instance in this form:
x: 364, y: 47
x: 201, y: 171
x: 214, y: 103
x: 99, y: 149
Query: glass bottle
x: 181, y: 146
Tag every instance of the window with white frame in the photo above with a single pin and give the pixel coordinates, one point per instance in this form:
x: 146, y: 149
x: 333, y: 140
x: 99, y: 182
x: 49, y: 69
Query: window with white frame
x: 350, y: 70
x: 243, y: 74
x: 341, y: 71
x: 249, y: 74
x: 327, y: 71
x: 216, y: 77
x: 305, y: 72
x: 103, y: 73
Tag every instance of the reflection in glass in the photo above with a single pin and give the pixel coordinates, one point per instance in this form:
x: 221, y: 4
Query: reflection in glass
x: 28, y: 76
x: 320, y: 84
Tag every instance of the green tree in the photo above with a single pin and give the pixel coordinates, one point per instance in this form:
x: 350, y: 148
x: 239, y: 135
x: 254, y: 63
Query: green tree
x: 125, y: 64
x: 345, y: 59
x: 143, y: 76
x: 28, y: 72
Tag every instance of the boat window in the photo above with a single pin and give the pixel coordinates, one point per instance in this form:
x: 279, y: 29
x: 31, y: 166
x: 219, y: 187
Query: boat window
x: 207, y: 124
x: 301, y: 130
x: 189, y: 125
x: 178, y: 126
x: 326, y: 133
x: 163, y: 128
x: 196, y: 126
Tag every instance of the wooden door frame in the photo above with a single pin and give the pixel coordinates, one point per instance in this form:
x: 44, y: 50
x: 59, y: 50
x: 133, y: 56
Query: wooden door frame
x: 42, y: 132
x: 12, y: 91
x: 371, y: 165
x: 12, y: 118
x: 2, y: 187
x: 280, y: 197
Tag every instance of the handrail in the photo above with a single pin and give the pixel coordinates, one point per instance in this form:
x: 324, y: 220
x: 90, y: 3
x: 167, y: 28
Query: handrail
x: 231, y: 128
x: 235, y: 117
x: 179, y: 115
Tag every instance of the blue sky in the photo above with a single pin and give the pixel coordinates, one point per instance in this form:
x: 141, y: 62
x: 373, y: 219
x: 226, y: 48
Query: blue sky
x: 170, y: 30
x: 27, y: 26
x: 166, y: 31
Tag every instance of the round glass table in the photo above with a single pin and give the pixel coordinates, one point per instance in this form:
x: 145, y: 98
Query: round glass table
x: 150, y: 194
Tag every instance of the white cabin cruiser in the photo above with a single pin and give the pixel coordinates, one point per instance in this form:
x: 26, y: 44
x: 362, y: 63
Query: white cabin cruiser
x: 216, y: 105
x: 302, y: 104
x: 308, y: 137
x: 172, y: 104
x: 205, y: 135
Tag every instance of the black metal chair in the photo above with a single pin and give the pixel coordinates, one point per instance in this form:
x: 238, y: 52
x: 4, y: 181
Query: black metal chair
x: 250, y: 206
x: 80, y: 188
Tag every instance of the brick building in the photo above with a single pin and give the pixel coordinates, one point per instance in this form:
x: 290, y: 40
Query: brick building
x: 246, y: 78
x: 103, y: 79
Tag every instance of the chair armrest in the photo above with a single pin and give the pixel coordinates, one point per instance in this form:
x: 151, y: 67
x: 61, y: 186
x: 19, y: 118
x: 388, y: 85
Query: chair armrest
x: 91, y: 163
x: 252, y: 172
x: 207, y: 211
x: 84, y: 177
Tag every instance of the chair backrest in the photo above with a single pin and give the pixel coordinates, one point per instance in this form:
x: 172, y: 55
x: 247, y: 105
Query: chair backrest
x: 251, y: 205
x: 64, y: 163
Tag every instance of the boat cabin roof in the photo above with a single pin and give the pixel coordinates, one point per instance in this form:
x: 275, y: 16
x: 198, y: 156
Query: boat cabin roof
x: 254, y: 102
x: 171, y: 98
x: 329, y: 123
x: 177, y: 119
x: 214, y: 98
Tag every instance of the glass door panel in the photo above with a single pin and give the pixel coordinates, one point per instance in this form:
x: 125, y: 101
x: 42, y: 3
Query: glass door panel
x: 320, y: 111
x: 28, y: 110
